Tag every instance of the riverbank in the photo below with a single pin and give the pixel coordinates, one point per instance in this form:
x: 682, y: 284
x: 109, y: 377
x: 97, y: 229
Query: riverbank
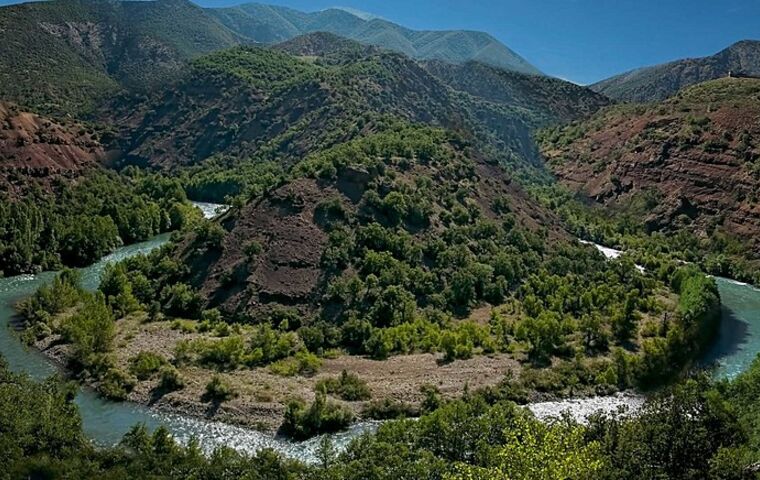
x: 107, y: 421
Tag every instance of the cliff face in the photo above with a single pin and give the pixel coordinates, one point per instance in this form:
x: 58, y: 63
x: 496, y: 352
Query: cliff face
x: 39, y: 149
x: 694, y: 159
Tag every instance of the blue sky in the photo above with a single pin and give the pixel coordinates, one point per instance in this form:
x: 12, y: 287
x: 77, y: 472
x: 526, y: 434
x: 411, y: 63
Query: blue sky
x: 579, y: 40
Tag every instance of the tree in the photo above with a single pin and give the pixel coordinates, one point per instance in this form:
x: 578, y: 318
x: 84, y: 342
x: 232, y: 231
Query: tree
x: 544, y: 334
x: 91, y: 330
x: 538, y: 451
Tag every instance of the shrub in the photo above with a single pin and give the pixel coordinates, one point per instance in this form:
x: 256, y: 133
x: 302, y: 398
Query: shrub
x: 303, y: 363
x: 347, y: 386
x: 116, y: 384
x: 390, y: 409
x: 226, y: 353
x: 218, y: 390
x: 253, y: 248
x: 145, y: 364
x: 322, y: 416
x: 180, y: 300
x: 210, y: 234
x: 170, y: 379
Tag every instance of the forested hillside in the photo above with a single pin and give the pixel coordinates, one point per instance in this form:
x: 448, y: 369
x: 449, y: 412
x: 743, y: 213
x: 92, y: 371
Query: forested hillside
x: 68, y: 56
x: 227, y: 103
x: 273, y: 24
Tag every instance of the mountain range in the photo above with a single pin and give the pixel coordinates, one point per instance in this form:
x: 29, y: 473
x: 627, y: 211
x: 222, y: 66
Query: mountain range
x: 661, y: 81
x: 270, y: 24
x: 64, y: 56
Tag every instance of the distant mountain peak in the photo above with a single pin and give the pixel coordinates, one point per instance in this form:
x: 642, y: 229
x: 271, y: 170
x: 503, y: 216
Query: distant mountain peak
x: 359, y: 13
x: 274, y: 24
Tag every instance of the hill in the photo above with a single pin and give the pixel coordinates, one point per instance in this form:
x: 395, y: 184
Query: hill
x: 662, y: 81
x: 690, y: 163
x: 549, y: 100
x: 60, y: 206
x: 273, y: 24
x: 39, y: 150
x: 66, y: 56
x: 319, y: 90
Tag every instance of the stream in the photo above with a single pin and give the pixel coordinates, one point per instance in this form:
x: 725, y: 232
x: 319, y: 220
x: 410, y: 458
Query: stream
x: 106, y: 422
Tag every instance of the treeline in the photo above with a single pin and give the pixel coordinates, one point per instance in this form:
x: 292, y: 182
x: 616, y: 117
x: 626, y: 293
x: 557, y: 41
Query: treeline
x: 696, y: 429
x: 84, y: 221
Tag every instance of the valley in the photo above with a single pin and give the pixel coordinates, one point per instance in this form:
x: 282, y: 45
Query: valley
x: 256, y: 242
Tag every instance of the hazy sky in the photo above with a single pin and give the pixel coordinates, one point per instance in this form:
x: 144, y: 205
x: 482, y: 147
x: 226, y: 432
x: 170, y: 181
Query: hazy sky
x: 580, y: 40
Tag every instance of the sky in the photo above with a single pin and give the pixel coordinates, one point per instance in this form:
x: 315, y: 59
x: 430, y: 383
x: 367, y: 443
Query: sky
x: 579, y: 40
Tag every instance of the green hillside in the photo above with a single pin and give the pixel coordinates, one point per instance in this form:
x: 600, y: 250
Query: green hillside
x: 269, y: 24
x: 260, y: 103
x: 66, y: 56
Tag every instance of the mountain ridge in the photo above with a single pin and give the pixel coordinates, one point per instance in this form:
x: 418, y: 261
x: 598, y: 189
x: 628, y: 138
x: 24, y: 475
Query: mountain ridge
x: 273, y: 24
x: 658, y: 82
x: 64, y: 56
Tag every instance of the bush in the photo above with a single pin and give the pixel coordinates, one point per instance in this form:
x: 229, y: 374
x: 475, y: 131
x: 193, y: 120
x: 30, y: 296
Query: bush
x: 303, y: 363
x: 390, y: 409
x: 226, y: 353
x: 302, y: 422
x: 347, y: 386
x: 210, y: 234
x: 218, y: 390
x: 145, y: 364
x: 180, y: 300
x: 252, y: 249
x: 170, y: 379
x: 116, y: 384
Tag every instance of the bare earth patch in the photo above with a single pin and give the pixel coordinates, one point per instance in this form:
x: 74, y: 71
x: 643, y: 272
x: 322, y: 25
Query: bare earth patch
x: 262, y: 395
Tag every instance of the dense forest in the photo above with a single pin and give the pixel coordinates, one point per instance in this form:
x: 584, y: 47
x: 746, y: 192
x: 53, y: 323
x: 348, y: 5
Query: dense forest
x: 83, y: 222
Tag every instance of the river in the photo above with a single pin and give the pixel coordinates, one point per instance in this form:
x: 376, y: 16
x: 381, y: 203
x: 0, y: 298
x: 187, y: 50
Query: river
x: 738, y: 340
x: 105, y: 422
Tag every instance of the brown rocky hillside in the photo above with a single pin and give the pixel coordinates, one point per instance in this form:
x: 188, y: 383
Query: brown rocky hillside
x: 292, y: 226
x: 694, y: 159
x: 37, y: 148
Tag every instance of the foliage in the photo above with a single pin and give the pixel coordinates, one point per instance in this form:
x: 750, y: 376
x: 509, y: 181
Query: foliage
x: 170, y: 379
x: 145, y: 364
x: 347, y: 386
x: 537, y: 451
x: 322, y: 416
x: 218, y: 390
x: 84, y: 221
x: 302, y: 363
x: 90, y: 331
